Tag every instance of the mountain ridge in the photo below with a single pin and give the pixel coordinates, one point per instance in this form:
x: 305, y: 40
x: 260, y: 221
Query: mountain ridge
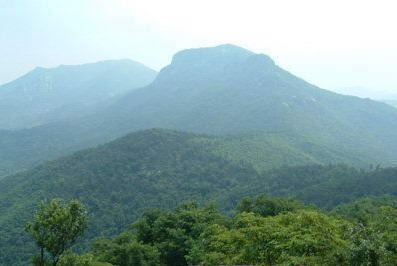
x: 227, y: 90
x: 46, y: 95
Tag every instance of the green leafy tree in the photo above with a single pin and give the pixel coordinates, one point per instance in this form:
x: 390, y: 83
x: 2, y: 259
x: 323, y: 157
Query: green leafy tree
x: 366, y: 246
x: 55, y: 228
x: 71, y: 259
x: 374, y: 236
x: 174, y: 233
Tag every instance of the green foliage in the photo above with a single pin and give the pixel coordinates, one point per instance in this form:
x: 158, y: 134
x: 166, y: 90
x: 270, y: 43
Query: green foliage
x: 71, y: 259
x: 367, y: 247
x: 267, y: 206
x: 272, y: 150
x: 125, y: 250
x: 174, y: 233
x: 266, y: 231
x: 385, y: 224
x: 374, y: 241
x: 158, y: 237
x: 325, y: 186
x: 365, y: 209
x: 300, y: 238
x: 56, y: 227
x: 201, y: 236
x: 374, y: 235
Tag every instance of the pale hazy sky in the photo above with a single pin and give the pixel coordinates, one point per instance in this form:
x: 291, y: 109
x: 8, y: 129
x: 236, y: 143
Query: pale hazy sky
x: 329, y: 43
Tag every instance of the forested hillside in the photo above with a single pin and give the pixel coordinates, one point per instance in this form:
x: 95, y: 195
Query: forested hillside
x: 260, y: 149
x: 325, y: 186
x: 159, y: 169
x: 118, y: 181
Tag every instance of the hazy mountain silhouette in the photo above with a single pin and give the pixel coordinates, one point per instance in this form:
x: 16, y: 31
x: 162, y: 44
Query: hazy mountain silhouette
x: 52, y: 94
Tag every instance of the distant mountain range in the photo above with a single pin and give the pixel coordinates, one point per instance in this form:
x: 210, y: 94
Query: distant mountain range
x: 363, y: 92
x: 47, y: 95
x: 223, y: 90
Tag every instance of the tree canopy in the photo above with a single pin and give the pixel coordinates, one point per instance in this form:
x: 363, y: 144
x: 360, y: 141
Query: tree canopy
x: 55, y: 228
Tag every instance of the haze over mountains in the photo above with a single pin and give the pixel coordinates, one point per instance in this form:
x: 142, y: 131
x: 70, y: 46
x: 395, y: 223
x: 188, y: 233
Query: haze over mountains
x: 217, y: 90
x: 383, y: 96
x: 49, y: 95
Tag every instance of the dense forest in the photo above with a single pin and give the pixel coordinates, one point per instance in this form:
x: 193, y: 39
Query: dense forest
x: 263, y: 231
x: 159, y: 168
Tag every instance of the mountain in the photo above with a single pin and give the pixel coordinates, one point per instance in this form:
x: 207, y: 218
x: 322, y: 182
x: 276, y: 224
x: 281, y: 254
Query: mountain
x: 226, y: 90
x: 229, y: 90
x: 52, y: 94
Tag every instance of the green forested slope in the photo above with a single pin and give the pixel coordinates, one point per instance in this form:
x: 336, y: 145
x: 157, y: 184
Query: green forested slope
x: 154, y: 168
x: 263, y: 150
x: 271, y: 150
x: 160, y: 168
x: 325, y: 186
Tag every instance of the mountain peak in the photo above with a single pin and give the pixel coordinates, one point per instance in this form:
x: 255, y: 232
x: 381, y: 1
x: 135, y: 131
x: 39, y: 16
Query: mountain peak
x: 220, y: 53
x: 218, y: 57
x: 212, y: 63
x: 231, y: 48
